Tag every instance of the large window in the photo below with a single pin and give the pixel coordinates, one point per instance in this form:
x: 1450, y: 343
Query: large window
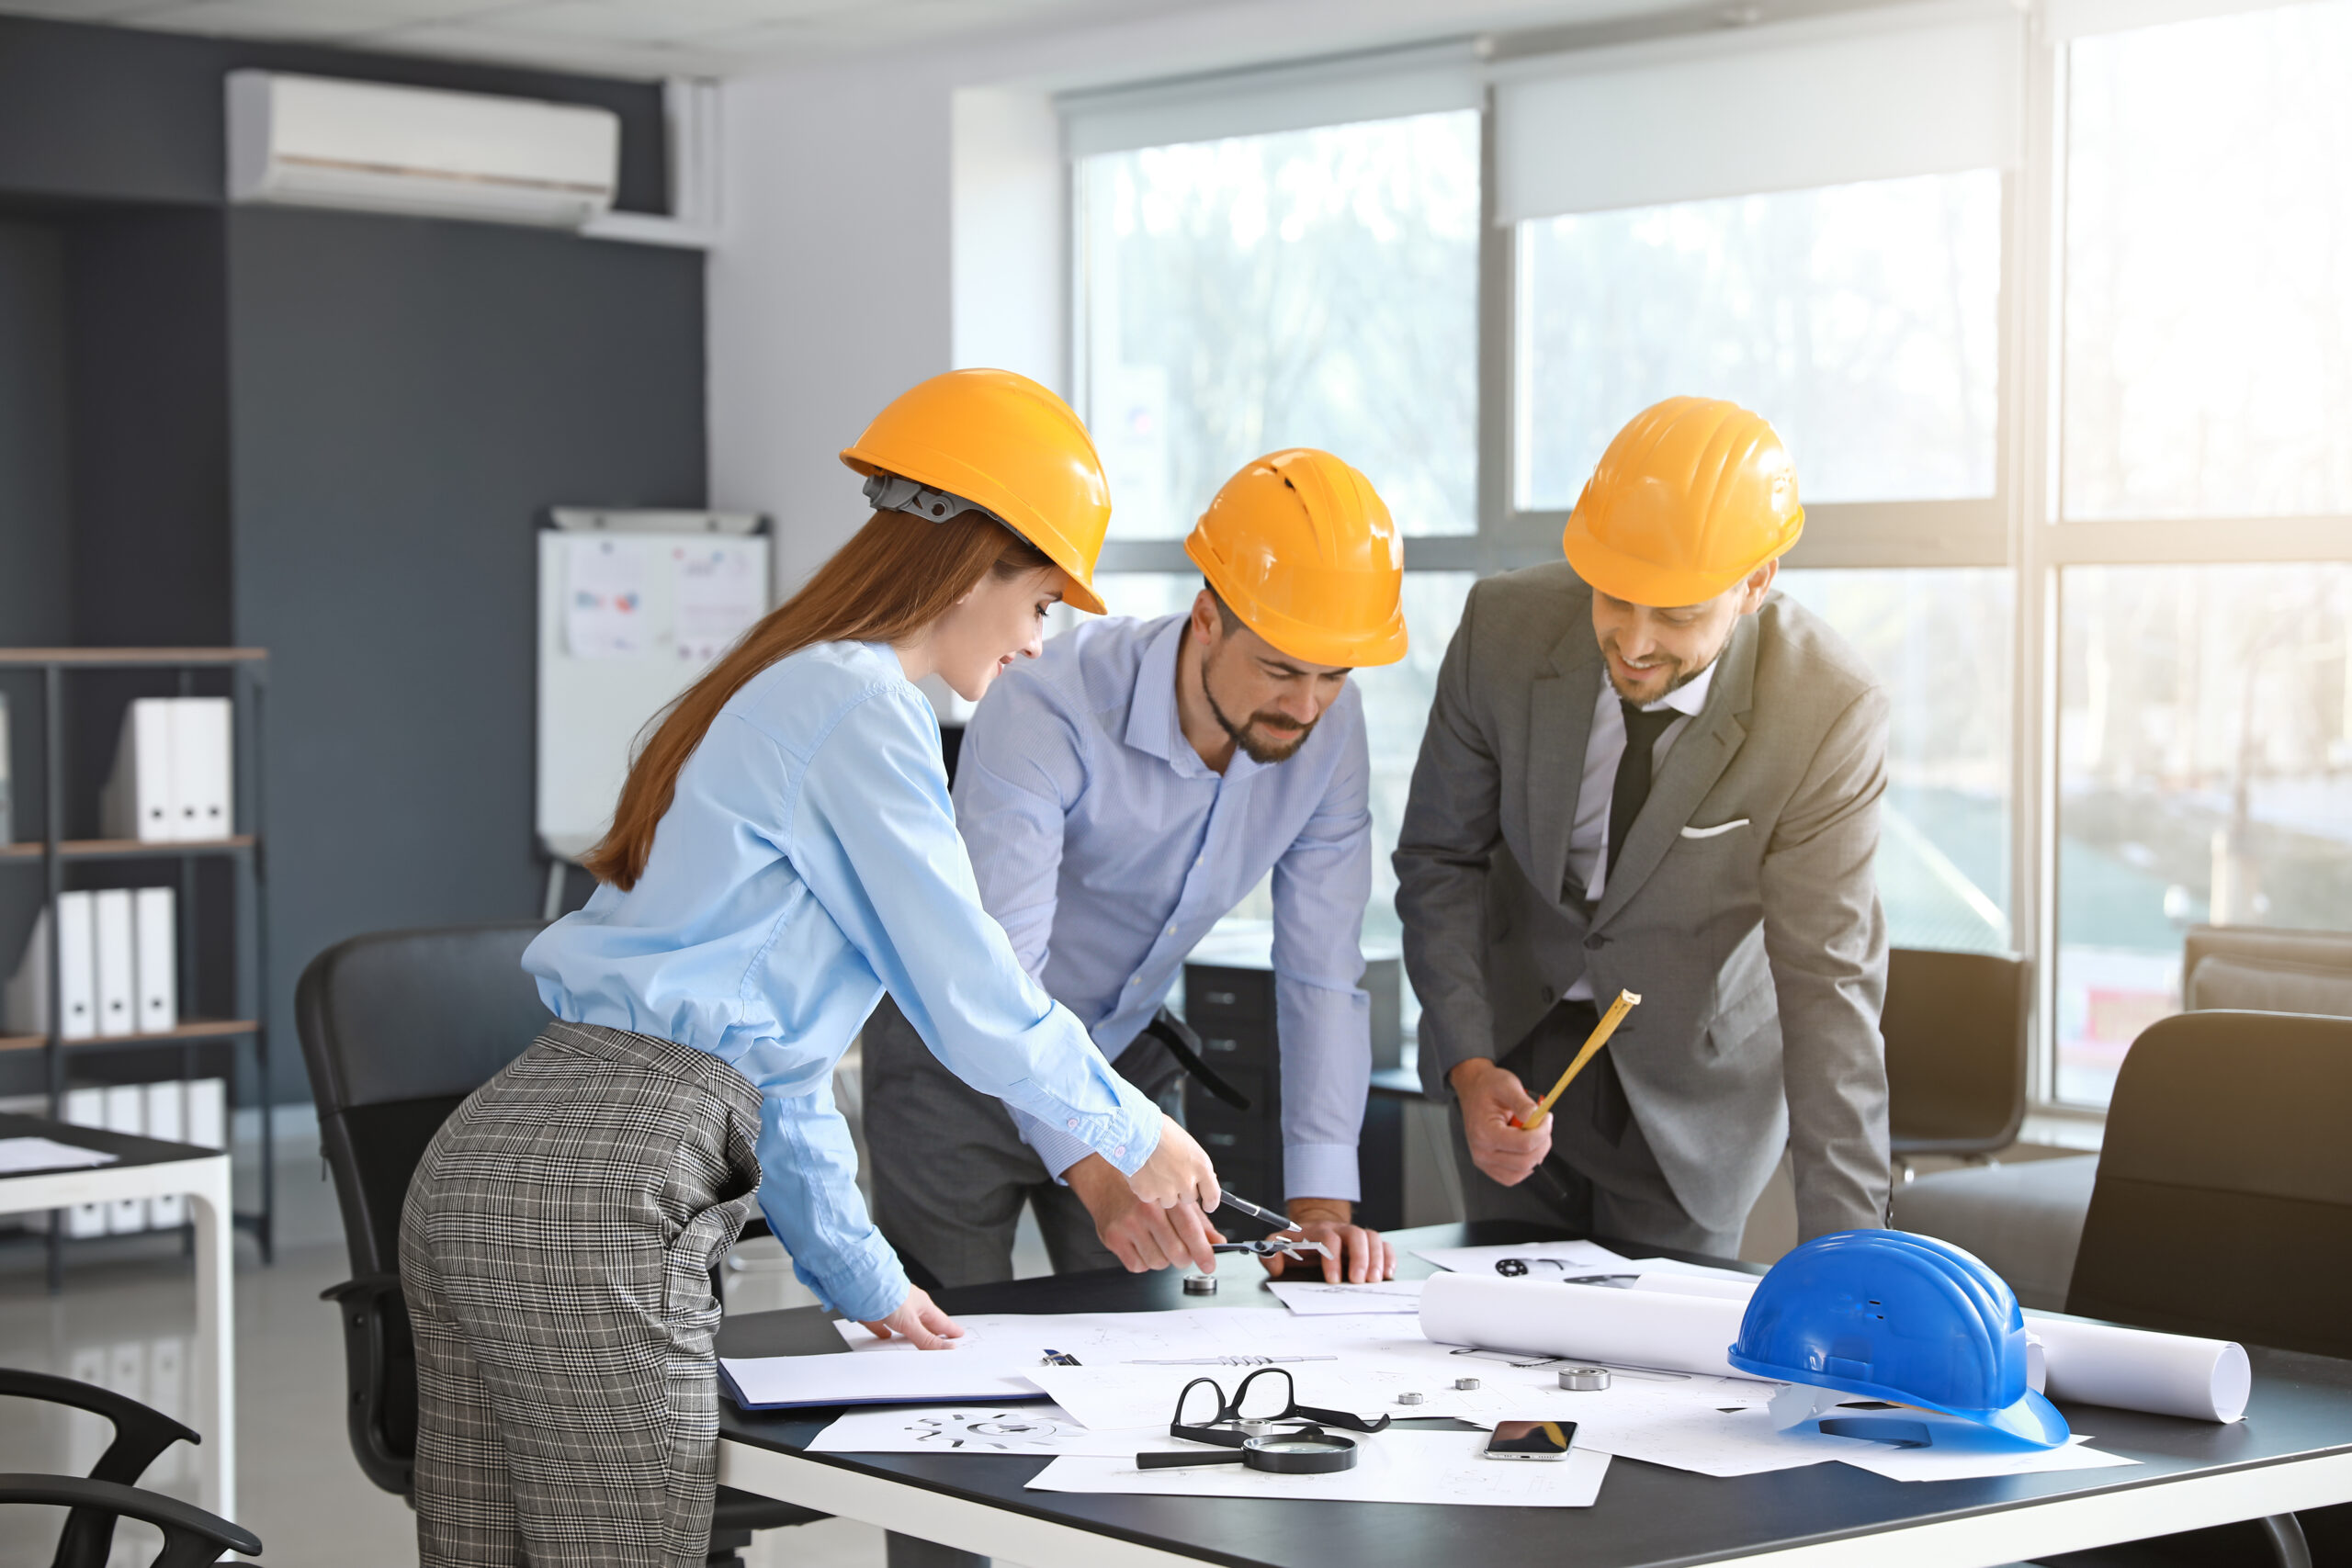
x: 1311, y: 288
x: 1863, y: 319
x: 2067, y: 393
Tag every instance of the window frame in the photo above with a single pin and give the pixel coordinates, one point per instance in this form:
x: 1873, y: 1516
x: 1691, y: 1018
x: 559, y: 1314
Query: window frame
x: 2020, y: 529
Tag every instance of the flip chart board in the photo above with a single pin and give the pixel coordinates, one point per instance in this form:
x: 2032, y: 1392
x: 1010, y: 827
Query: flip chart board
x: 633, y: 606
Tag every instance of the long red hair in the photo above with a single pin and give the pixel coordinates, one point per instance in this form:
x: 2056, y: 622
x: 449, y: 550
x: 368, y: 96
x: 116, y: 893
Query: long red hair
x: 898, y: 574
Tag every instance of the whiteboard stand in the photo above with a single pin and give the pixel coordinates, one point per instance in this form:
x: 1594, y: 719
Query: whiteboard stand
x: 603, y: 676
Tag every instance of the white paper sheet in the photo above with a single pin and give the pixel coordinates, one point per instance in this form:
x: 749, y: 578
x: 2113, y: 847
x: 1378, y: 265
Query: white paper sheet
x: 1714, y: 1442
x: 604, y: 598
x: 1314, y: 1299
x: 976, y: 1429
x: 717, y: 594
x: 1962, y: 1453
x: 1481, y: 1260
x: 18, y: 1156
x: 1394, y: 1467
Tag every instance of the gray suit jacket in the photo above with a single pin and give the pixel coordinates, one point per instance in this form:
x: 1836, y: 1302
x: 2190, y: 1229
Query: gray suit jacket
x: 1759, y: 951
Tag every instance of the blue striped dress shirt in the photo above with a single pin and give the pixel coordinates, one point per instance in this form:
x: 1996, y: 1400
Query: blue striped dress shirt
x: 1108, y: 849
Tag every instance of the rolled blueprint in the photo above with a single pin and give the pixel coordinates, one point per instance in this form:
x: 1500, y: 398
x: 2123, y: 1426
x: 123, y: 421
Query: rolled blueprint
x: 2133, y: 1369
x: 1619, y: 1328
x: 2096, y: 1363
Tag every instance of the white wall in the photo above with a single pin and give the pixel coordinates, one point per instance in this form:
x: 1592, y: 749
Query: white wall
x: 891, y: 218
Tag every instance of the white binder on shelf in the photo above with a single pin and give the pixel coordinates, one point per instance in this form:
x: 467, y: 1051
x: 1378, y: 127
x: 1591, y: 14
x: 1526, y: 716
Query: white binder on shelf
x: 126, y: 1113
x: 118, y: 986
x: 200, y: 734
x: 154, y: 920
x: 85, y: 1108
x: 207, y: 1113
x: 167, y: 1120
x: 137, y: 802
x: 27, y: 992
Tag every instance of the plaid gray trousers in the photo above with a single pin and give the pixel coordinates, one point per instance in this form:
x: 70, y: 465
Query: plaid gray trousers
x: 555, y: 1252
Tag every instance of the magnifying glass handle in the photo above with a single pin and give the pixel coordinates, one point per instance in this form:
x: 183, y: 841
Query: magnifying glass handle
x: 1182, y: 1462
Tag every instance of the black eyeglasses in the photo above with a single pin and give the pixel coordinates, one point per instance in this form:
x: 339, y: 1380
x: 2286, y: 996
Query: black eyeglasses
x: 1253, y: 1408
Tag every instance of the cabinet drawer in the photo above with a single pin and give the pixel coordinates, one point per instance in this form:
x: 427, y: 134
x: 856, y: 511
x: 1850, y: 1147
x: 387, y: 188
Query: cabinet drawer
x: 1214, y: 991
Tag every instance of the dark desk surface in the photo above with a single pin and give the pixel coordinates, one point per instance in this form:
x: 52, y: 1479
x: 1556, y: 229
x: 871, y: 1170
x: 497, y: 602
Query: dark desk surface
x: 1648, y: 1517
x: 125, y: 1148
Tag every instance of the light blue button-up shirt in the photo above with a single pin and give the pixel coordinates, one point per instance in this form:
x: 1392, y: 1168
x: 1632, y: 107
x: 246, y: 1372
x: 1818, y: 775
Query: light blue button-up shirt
x: 1108, y: 849
x: 808, y: 860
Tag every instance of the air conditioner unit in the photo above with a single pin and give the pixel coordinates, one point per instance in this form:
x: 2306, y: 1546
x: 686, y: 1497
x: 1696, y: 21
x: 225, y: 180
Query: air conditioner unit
x: 315, y: 141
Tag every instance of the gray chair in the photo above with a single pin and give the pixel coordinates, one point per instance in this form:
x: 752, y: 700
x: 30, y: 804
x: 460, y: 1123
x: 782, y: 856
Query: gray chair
x: 2260, y: 969
x: 397, y: 1029
x: 2228, y: 1128
x: 1955, y: 1030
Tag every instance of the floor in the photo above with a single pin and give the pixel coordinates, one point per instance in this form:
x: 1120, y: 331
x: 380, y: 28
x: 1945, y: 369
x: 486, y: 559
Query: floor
x: 126, y: 1320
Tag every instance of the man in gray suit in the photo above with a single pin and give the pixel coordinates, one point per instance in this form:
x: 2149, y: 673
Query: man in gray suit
x: 1645, y: 770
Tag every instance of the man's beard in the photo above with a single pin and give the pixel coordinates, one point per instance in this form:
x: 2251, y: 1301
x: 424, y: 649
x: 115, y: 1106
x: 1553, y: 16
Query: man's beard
x: 1246, y: 736
x: 1683, y: 675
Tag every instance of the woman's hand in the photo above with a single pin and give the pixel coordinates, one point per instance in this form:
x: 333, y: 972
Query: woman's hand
x: 926, y: 1326
x: 1176, y: 1172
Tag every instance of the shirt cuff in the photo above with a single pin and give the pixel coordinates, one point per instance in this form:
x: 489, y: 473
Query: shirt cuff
x: 1055, y: 1148
x: 1320, y: 1170
x: 866, y: 1286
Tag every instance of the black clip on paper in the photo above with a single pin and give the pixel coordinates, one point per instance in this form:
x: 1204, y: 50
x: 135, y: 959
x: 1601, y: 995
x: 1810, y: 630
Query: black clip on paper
x: 1307, y: 1450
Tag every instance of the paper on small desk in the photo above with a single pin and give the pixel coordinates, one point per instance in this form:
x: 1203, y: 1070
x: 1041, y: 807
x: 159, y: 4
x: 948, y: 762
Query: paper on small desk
x: 976, y: 1429
x: 1482, y: 1260
x: 1311, y: 1298
x: 1714, y: 1442
x: 1959, y: 1451
x: 20, y: 1155
x: 1394, y: 1467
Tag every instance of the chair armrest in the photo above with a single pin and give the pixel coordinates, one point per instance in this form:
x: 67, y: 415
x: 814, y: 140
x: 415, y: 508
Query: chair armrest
x: 380, y: 1369
x: 139, y: 1433
x: 192, y: 1538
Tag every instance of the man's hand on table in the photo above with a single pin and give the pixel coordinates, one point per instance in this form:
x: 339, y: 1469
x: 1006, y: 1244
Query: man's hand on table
x: 1357, y: 1256
x: 1493, y: 1103
x: 1142, y: 1235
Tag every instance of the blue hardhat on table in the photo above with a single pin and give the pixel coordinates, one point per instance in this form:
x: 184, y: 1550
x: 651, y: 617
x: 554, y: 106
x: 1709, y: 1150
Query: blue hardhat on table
x: 1887, y: 1315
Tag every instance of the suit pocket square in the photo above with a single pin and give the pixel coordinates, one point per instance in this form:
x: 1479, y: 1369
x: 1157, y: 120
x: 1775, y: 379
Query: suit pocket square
x: 1717, y: 828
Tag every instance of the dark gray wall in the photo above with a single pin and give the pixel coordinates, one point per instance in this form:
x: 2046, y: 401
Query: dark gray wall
x: 409, y: 397
x: 35, y: 538
x: 329, y: 434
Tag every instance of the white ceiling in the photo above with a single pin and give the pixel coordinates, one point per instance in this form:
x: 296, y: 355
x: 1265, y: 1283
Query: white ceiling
x: 629, y: 37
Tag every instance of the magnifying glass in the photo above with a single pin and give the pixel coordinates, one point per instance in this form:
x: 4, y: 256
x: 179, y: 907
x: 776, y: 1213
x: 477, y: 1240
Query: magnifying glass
x: 1309, y: 1450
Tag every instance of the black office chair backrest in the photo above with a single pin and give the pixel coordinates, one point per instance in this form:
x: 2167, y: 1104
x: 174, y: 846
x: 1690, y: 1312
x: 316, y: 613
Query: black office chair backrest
x: 2224, y: 1205
x: 397, y: 1027
x: 1955, y: 1029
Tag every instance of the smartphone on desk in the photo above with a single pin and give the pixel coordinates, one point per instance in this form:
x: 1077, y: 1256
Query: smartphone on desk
x: 1530, y: 1439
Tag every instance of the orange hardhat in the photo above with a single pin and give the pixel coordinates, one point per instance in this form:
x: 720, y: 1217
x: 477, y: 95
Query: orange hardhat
x: 1007, y: 446
x: 1690, y: 497
x: 1301, y: 547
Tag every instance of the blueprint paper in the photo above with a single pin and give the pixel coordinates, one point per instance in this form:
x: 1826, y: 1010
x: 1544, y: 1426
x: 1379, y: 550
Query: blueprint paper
x: 1394, y: 1467
x: 1314, y: 1299
x: 976, y: 1429
x: 1611, y: 1327
x: 1964, y: 1452
x: 1715, y: 1443
x: 1482, y: 1260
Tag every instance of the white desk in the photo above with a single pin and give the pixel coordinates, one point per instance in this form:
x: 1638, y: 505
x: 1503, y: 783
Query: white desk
x: 149, y: 1168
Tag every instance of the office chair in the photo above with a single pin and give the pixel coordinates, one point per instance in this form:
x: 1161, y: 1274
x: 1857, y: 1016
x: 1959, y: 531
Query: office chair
x: 397, y: 1029
x: 191, y: 1536
x: 2228, y: 1127
x: 1955, y: 1029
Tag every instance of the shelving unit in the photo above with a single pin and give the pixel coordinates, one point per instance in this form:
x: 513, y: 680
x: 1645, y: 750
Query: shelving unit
x: 248, y: 668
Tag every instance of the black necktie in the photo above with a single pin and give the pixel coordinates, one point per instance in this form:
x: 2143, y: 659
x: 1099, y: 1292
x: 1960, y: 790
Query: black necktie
x: 1634, y: 770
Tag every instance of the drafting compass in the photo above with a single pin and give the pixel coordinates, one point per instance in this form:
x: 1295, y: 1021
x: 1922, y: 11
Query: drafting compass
x: 1291, y: 1246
